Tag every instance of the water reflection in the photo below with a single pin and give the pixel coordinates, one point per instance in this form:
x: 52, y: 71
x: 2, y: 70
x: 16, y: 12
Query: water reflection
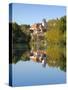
x: 20, y: 52
x: 39, y: 56
x: 32, y: 73
x: 37, y: 67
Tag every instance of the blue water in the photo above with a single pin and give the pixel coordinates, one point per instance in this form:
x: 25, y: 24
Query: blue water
x: 26, y: 73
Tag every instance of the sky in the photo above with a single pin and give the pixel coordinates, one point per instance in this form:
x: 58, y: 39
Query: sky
x: 34, y: 13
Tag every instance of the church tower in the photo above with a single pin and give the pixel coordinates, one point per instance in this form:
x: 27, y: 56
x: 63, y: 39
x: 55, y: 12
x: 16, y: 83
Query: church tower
x: 44, y: 23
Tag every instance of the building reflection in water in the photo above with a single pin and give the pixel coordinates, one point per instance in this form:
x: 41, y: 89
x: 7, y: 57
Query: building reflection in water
x: 38, y: 56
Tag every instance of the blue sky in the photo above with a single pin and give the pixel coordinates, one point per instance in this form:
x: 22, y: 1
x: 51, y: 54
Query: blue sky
x: 32, y: 13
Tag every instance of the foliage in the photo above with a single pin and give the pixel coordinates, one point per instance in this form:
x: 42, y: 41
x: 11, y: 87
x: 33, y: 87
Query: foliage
x: 19, y: 35
x: 20, y: 41
x: 56, y: 41
x: 53, y: 41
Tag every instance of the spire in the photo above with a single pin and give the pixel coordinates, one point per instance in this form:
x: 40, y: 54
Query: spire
x: 44, y: 20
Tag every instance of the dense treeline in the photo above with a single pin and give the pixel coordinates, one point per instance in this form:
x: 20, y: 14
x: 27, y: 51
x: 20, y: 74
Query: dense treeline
x: 57, y: 30
x: 20, y: 41
x: 56, y: 42
x: 20, y: 33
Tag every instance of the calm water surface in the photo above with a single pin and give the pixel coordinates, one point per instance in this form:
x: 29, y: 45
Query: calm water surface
x: 33, y: 73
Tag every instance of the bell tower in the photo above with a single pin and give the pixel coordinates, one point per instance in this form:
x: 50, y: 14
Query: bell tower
x: 44, y: 23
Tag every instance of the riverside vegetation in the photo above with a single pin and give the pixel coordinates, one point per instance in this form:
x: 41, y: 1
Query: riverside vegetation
x: 55, y: 38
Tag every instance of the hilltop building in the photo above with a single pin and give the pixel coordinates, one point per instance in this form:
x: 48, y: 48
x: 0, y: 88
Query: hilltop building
x: 39, y: 27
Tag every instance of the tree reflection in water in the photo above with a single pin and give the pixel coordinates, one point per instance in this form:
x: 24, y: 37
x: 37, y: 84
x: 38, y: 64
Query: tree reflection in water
x: 54, y: 57
x: 53, y: 41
